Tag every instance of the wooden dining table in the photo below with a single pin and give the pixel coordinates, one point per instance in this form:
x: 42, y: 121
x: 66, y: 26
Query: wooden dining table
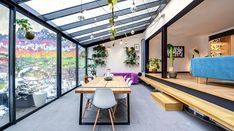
x: 118, y: 86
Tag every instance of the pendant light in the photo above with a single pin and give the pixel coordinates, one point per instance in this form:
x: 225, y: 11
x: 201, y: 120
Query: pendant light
x: 92, y: 36
x: 81, y: 16
x: 133, y: 7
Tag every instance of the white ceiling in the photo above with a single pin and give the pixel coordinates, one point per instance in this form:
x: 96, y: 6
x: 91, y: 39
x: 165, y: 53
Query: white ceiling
x: 207, y: 18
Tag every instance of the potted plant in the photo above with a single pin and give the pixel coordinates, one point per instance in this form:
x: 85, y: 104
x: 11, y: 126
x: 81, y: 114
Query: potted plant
x: 92, y: 69
x: 25, y: 26
x: 171, y: 72
x: 153, y: 64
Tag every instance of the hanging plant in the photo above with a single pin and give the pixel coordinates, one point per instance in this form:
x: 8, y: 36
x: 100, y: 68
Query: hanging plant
x: 100, y: 54
x: 25, y: 26
x: 131, y: 56
x: 112, y: 19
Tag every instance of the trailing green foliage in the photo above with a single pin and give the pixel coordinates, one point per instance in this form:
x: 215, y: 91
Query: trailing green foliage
x: 154, y: 64
x: 131, y: 56
x: 171, y: 56
x: 112, y: 19
x: 24, y: 25
x: 100, y: 54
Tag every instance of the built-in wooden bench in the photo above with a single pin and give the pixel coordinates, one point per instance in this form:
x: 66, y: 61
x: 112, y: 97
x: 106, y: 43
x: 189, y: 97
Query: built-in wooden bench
x: 166, y: 102
x: 218, y: 114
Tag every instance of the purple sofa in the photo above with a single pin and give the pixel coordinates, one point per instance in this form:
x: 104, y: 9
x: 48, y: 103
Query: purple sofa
x: 133, y: 76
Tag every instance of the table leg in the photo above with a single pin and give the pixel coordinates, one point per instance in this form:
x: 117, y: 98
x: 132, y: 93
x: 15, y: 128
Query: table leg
x: 81, y: 108
x: 128, y: 99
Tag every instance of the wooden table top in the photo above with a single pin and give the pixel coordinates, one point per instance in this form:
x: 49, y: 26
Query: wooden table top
x: 118, y: 85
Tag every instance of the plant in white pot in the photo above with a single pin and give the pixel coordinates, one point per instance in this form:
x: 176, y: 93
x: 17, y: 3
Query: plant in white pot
x: 39, y: 98
x: 171, y: 72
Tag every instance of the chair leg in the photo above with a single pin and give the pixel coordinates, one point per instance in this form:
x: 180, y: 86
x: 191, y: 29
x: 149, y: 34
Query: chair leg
x: 86, y: 107
x: 126, y: 102
x: 112, y: 112
x: 98, y: 111
x: 112, y: 123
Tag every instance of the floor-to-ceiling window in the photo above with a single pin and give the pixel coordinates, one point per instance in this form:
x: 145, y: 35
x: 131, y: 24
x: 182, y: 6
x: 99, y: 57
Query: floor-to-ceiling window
x: 68, y: 65
x: 4, y: 89
x: 81, y: 60
x: 35, y: 68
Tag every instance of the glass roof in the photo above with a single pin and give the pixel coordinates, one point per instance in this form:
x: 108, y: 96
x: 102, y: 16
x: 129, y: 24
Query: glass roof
x: 48, y: 6
x: 63, y: 14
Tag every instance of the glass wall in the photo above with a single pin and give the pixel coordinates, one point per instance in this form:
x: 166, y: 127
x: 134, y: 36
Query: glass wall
x: 81, y: 62
x: 35, y: 68
x: 4, y: 90
x: 68, y: 65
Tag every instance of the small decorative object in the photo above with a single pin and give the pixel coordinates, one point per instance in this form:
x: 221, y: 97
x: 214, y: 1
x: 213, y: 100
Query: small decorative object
x: 25, y: 26
x: 131, y: 56
x: 178, y: 52
x: 171, y: 72
x: 196, y: 51
x: 108, y: 75
x: 153, y: 64
x: 136, y: 46
x: 100, y: 55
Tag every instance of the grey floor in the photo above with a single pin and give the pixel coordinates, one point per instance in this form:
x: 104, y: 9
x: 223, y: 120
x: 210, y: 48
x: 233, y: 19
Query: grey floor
x: 62, y: 115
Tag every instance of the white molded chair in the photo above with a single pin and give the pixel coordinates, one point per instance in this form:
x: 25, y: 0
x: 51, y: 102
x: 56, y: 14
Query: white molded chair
x: 125, y: 77
x: 130, y: 83
x: 123, y: 96
x: 104, y: 99
x: 128, y: 79
x: 89, y: 97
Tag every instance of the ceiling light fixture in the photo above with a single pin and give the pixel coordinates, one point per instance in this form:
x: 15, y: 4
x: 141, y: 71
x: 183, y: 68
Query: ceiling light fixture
x: 133, y: 7
x: 81, y: 16
x: 92, y: 36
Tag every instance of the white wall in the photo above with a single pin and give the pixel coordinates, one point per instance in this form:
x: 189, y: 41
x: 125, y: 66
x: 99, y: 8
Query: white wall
x: 181, y: 64
x: 117, y: 55
x: 171, y: 10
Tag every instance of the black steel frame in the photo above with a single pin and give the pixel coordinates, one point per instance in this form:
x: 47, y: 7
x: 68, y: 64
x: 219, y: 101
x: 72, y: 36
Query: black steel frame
x: 104, y: 123
x: 163, y: 30
x: 13, y: 8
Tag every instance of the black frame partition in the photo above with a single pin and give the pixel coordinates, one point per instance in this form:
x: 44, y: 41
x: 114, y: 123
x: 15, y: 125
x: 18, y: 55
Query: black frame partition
x: 163, y: 30
x: 13, y: 8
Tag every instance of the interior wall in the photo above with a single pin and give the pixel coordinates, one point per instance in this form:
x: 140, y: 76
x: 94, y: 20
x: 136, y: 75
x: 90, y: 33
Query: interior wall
x: 190, y: 43
x: 117, y: 55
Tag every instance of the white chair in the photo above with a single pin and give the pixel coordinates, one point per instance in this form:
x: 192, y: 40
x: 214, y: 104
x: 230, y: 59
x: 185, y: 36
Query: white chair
x: 104, y: 99
x: 128, y: 79
x: 130, y: 83
x: 125, y: 77
x: 123, y: 96
x: 89, y: 97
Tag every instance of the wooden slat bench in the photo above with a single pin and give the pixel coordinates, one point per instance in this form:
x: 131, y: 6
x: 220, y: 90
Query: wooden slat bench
x: 166, y: 102
x: 218, y: 114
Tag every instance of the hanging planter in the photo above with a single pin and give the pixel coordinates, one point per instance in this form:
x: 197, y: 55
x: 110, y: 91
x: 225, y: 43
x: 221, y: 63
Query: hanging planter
x: 25, y: 26
x: 113, y: 30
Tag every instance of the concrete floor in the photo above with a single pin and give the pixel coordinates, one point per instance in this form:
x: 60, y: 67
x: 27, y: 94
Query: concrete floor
x: 146, y: 115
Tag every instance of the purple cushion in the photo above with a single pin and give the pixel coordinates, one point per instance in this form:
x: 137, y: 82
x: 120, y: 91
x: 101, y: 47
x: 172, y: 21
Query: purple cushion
x: 131, y: 75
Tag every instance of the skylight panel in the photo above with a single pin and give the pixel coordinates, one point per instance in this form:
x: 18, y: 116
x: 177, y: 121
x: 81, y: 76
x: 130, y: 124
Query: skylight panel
x: 48, y: 6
